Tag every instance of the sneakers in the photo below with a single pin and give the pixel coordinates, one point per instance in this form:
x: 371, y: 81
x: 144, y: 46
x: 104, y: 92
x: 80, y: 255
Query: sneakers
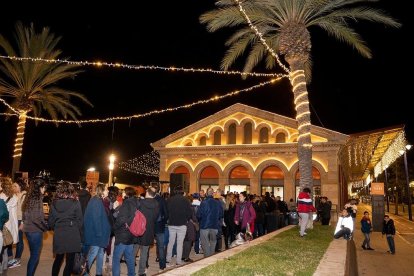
x: 13, y: 263
x: 363, y: 247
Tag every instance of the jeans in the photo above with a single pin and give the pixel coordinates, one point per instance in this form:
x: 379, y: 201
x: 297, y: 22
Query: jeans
x: 344, y: 232
x: 127, y: 251
x: 208, y: 241
x: 35, y: 240
x: 70, y: 259
x: 366, y: 241
x: 98, y: 253
x: 19, y: 246
x: 303, y: 222
x: 143, y: 258
x: 197, y: 243
x: 391, y: 244
x: 179, y: 233
x: 160, y: 248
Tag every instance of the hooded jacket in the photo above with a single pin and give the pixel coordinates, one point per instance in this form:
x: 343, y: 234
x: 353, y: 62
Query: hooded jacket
x: 149, y: 207
x: 96, y: 225
x: 66, y: 220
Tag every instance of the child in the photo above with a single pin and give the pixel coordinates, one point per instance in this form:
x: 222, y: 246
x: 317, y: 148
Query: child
x: 366, y: 228
x: 389, y: 230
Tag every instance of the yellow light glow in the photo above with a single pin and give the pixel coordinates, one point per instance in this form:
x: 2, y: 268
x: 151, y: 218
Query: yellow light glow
x: 302, y: 114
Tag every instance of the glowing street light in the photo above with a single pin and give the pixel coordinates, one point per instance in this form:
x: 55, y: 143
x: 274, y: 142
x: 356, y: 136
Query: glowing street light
x: 111, y: 168
x: 91, y: 169
x: 404, y: 152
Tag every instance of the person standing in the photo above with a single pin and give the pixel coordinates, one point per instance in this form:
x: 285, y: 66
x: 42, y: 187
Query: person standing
x: 388, y: 229
x: 160, y: 227
x: 31, y: 225
x: 325, y: 210
x: 97, y: 229
x: 366, y: 228
x: 305, y: 209
x: 84, y: 195
x: 65, y: 219
x: 244, y: 214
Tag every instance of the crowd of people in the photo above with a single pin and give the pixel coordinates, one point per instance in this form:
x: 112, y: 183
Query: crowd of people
x: 96, y: 225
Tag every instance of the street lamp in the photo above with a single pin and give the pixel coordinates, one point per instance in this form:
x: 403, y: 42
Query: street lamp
x: 91, y: 169
x: 111, y: 168
x: 404, y: 152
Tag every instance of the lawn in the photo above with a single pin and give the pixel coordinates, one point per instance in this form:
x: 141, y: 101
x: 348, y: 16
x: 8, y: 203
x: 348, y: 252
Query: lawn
x: 284, y: 254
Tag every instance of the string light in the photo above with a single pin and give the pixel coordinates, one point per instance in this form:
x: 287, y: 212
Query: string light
x: 392, y: 153
x: 18, y: 145
x: 140, y: 67
x: 259, y: 34
x: 136, y: 116
x: 147, y: 164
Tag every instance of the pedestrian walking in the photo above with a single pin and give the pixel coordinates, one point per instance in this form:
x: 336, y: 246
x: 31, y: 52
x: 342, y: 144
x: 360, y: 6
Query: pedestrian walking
x: 388, y: 229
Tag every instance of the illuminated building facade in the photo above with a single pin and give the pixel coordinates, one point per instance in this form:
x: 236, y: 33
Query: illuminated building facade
x: 244, y: 148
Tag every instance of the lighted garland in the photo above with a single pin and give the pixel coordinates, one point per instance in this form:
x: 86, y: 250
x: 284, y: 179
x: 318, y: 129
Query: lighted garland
x: 392, y: 153
x: 136, y: 116
x: 259, y: 34
x: 139, y: 67
x: 147, y: 164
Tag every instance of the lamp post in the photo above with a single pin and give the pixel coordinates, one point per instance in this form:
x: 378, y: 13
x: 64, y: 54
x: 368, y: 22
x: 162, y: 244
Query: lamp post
x: 111, y: 168
x: 404, y: 152
x: 386, y: 190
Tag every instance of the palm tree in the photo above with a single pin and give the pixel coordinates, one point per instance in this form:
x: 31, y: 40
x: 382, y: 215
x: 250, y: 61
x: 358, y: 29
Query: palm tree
x: 31, y: 86
x: 284, y: 24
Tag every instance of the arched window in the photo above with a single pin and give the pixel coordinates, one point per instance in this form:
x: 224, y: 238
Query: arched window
x: 209, y: 172
x: 281, y: 138
x: 217, y: 137
x: 203, y: 141
x: 231, y: 140
x: 264, y: 135
x: 247, y: 139
x: 239, y: 172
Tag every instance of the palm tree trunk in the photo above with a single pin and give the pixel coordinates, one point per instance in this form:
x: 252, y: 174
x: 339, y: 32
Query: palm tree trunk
x: 18, y: 146
x: 300, y: 93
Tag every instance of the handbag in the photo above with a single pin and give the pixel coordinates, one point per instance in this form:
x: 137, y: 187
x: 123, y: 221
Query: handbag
x: 7, y: 236
x: 80, y: 264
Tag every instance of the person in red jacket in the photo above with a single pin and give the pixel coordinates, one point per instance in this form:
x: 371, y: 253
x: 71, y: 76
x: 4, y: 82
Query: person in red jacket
x: 305, y: 209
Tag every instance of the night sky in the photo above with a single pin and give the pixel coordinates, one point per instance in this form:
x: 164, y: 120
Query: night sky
x: 348, y: 93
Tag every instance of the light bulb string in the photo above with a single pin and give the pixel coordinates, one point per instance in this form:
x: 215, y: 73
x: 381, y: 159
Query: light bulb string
x: 261, y: 38
x: 136, y: 116
x: 139, y: 67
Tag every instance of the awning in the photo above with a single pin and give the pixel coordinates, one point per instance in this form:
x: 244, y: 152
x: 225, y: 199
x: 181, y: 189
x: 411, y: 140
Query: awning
x: 371, y: 152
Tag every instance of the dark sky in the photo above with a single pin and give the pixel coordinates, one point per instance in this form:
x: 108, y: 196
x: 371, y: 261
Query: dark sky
x: 349, y: 93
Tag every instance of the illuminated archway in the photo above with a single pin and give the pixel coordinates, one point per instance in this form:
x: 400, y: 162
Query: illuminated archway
x: 239, y: 179
x: 272, y: 181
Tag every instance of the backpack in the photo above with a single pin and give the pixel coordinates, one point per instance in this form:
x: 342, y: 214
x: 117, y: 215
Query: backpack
x: 138, y: 225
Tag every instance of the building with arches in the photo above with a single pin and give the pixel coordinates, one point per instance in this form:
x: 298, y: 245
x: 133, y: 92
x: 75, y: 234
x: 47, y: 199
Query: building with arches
x: 245, y: 148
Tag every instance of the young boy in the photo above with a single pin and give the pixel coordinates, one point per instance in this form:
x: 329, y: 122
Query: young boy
x: 366, y: 228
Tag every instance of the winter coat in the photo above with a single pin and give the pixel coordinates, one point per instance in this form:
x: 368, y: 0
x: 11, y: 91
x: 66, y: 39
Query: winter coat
x: 388, y: 228
x: 20, y: 199
x: 346, y: 222
x: 210, y: 214
x: 245, y: 215
x: 125, y: 215
x: 305, y: 203
x: 179, y: 210
x: 190, y: 235
x: 366, y: 225
x: 65, y: 219
x: 34, y: 218
x: 12, y: 223
x: 325, y: 210
x: 149, y: 207
x: 95, y: 224
x: 162, y: 215
x: 4, y: 214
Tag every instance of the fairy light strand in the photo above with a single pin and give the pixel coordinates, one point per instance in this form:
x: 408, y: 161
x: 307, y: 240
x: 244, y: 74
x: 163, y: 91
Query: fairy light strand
x: 259, y: 34
x: 147, y: 164
x: 139, y: 67
x: 136, y: 116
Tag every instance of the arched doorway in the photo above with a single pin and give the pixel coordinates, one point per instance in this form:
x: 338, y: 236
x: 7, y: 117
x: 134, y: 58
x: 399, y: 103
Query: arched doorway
x: 184, y: 171
x: 272, y: 181
x: 316, y: 175
x: 209, y: 177
x: 239, y: 180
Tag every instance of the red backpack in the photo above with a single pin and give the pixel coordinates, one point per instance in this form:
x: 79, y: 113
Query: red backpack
x: 138, y: 225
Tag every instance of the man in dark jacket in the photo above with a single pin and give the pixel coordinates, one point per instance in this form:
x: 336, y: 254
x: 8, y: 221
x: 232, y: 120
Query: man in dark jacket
x: 388, y: 229
x: 179, y: 212
x: 124, y: 240
x: 209, y: 215
x: 149, y: 207
x: 84, y: 196
x: 160, y: 227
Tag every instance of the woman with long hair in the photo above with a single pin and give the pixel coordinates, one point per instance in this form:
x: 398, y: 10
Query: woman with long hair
x: 66, y: 220
x: 31, y: 225
x: 244, y: 213
x: 20, y: 191
x: 7, y: 194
